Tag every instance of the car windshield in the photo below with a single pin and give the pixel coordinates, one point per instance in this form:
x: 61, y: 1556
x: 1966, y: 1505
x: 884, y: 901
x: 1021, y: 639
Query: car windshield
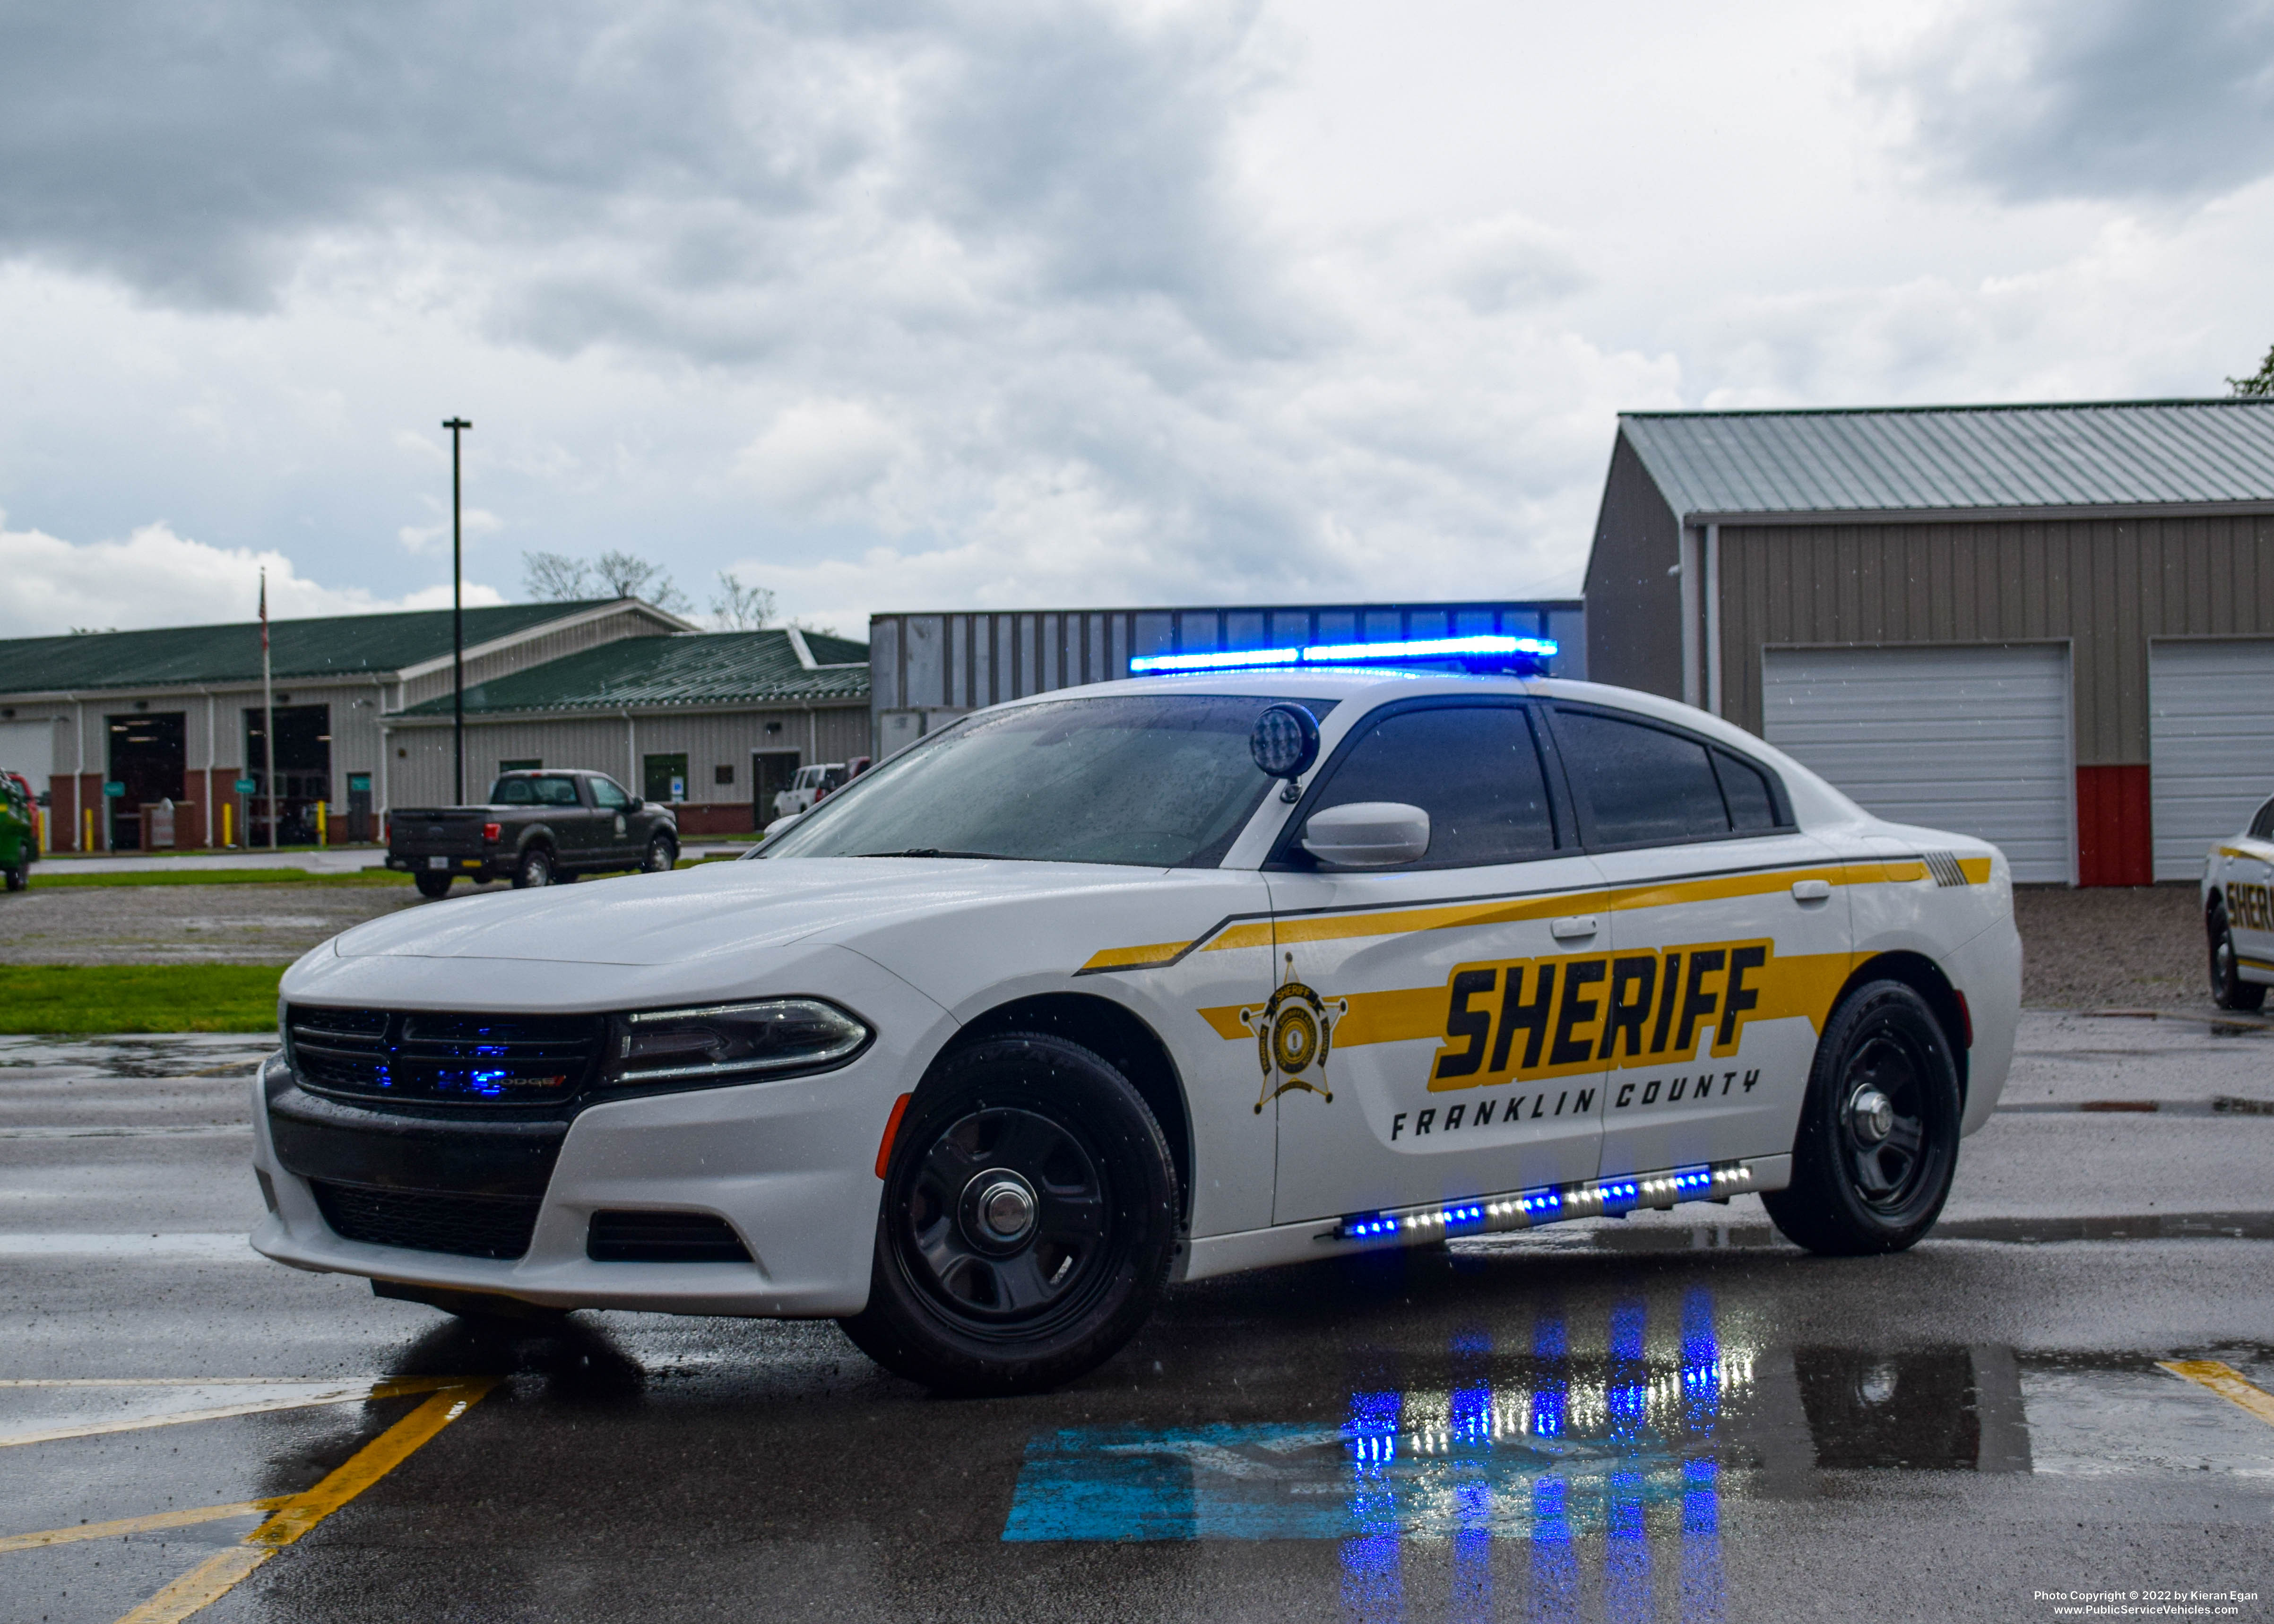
x: 1162, y: 782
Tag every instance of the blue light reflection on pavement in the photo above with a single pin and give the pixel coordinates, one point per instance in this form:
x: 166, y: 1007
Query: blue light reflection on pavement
x: 1569, y: 1456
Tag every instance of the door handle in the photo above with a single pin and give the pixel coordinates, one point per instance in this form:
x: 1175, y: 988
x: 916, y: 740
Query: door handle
x: 1811, y: 890
x: 1580, y: 925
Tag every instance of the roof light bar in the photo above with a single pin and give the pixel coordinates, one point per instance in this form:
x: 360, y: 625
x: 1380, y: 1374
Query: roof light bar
x: 1489, y: 653
x: 1529, y: 1209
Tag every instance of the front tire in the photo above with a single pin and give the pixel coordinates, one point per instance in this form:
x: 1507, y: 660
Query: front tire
x: 534, y: 869
x: 1878, y: 1144
x: 1029, y: 1218
x: 2228, y: 989
x: 18, y: 876
x: 662, y: 855
x: 435, y: 885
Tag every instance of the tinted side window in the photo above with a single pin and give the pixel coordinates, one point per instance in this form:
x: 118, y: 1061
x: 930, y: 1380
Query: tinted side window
x: 512, y: 793
x: 1473, y: 769
x: 606, y: 793
x: 1642, y: 784
x: 1752, y: 809
x: 2261, y: 827
x: 556, y: 793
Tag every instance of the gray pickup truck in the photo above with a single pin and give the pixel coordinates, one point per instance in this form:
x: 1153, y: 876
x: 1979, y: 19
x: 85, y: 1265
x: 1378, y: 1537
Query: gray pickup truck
x: 537, y: 827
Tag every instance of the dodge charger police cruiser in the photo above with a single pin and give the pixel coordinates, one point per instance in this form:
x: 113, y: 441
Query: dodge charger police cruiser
x: 2238, y: 913
x: 1245, y: 961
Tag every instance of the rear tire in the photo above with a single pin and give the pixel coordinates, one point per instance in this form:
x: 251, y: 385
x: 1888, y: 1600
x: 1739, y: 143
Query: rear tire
x: 2228, y: 989
x: 1878, y: 1144
x: 1029, y: 1218
x: 435, y: 885
x: 18, y: 876
x: 534, y: 869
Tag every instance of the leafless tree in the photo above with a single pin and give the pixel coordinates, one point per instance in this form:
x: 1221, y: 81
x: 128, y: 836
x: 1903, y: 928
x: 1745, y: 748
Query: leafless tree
x: 738, y: 608
x: 555, y: 577
x: 627, y: 574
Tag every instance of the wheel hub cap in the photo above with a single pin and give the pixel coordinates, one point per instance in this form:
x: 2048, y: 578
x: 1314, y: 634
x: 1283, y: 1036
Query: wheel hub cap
x: 999, y: 1207
x: 1873, y: 1115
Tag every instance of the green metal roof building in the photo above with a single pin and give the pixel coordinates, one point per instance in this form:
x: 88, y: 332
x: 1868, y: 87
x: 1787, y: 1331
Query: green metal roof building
x: 175, y: 714
x: 2050, y: 625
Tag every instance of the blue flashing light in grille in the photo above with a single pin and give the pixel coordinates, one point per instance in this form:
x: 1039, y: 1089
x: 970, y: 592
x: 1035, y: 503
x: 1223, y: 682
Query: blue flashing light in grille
x: 1494, y: 651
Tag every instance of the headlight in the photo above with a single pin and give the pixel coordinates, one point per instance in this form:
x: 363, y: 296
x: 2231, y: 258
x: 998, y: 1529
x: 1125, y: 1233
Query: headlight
x: 734, y: 1042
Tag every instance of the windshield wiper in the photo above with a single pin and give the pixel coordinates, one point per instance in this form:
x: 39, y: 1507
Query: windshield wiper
x: 934, y: 851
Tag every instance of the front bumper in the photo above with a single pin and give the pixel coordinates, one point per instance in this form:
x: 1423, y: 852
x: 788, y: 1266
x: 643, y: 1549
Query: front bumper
x: 789, y: 1165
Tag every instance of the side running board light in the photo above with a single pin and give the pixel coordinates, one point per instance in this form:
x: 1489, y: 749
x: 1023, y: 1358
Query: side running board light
x: 1528, y: 1209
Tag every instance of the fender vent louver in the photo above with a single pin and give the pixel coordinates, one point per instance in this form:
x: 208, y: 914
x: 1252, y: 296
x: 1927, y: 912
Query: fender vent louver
x: 1944, y: 867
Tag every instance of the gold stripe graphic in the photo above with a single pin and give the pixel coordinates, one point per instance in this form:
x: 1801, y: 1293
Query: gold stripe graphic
x: 1515, y: 910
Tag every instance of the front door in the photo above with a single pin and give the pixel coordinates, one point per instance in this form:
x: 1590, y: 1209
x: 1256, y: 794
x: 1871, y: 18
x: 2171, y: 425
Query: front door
x: 615, y: 838
x: 1434, y: 1029
x: 1729, y: 939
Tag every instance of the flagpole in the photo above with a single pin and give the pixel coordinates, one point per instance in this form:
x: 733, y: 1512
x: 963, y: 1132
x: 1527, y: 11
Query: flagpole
x: 268, y: 716
x: 457, y: 621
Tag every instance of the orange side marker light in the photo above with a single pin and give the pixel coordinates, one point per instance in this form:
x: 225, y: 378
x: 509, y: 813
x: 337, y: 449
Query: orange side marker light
x: 892, y: 1132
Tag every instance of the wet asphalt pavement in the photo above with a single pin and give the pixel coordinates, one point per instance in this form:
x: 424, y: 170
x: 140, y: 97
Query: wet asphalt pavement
x: 1675, y: 1418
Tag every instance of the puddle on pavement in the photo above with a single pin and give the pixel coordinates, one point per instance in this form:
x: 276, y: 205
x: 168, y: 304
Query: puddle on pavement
x: 1626, y: 1432
x: 141, y: 1059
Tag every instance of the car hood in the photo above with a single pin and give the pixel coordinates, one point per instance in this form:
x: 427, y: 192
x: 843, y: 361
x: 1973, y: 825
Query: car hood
x: 718, y: 908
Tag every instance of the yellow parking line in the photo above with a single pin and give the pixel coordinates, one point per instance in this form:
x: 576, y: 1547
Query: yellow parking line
x: 2229, y: 1383
x: 136, y: 1525
x: 212, y: 1578
x: 351, y: 1393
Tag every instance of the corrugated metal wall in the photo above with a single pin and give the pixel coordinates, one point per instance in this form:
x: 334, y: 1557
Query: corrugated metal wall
x: 1634, y: 627
x: 964, y: 662
x: 630, y: 621
x: 2107, y: 585
x: 419, y: 771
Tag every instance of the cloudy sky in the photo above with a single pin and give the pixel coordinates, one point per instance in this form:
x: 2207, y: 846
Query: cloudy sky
x: 885, y: 305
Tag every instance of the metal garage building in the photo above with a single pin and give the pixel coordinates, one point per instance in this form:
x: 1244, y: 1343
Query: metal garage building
x: 715, y: 722
x: 2050, y: 626
x: 926, y: 669
x: 175, y: 714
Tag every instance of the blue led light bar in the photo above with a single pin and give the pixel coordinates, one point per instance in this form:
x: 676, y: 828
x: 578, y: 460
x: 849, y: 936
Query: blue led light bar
x: 1491, y: 652
x: 1528, y: 1209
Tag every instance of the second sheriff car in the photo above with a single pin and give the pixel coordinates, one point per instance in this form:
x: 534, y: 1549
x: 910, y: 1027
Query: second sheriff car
x: 2238, y: 898
x: 1149, y: 982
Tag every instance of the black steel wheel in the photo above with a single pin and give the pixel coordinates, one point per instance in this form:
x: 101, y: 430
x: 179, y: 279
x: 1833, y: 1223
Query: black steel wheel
x: 1878, y: 1144
x: 2228, y: 989
x: 662, y: 855
x: 534, y: 868
x: 1027, y: 1221
x: 19, y: 875
x: 435, y: 885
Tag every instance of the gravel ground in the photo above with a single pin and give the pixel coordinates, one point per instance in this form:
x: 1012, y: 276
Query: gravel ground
x: 2083, y: 950
x: 2111, y: 947
x: 185, y: 924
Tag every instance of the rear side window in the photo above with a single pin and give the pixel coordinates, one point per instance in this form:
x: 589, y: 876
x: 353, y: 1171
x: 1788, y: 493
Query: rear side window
x: 1752, y: 809
x: 556, y: 792
x: 1475, y: 768
x: 1646, y: 786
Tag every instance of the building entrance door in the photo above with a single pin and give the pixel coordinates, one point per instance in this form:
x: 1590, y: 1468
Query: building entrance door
x: 772, y: 772
x: 148, y: 755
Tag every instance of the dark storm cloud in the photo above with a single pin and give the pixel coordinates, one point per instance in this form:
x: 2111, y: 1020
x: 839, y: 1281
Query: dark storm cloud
x: 2097, y: 99
x: 663, y: 175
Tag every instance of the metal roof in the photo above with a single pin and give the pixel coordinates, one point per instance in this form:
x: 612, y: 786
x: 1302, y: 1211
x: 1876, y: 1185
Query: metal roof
x: 1928, y: 458
x: 693, y: 668
x: 336, y: 645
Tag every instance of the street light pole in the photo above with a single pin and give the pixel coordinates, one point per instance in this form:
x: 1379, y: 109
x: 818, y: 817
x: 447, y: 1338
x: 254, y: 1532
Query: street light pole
x: 457, y: 619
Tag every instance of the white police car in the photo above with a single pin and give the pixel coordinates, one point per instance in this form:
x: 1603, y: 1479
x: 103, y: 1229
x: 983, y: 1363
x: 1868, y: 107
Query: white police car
x: 2238, y: 913
x: 1149, y: 981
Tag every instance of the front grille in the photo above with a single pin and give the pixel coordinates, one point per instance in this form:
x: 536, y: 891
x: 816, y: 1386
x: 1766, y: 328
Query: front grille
x: 663, y: 1237
x: 444, y: 1058
x: 471, y: 1226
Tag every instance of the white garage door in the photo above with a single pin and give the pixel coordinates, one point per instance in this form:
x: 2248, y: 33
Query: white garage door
x: 28, y: 748
x: 2210, y: 737
x: 1971, y: 740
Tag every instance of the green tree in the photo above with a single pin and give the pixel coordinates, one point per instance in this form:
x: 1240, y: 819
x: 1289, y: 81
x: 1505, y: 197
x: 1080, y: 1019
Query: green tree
x: 2260, y: 384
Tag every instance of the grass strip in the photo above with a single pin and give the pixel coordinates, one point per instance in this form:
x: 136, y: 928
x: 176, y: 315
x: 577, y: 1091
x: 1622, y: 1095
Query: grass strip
x: 45, y: 881
x: 83, y: 998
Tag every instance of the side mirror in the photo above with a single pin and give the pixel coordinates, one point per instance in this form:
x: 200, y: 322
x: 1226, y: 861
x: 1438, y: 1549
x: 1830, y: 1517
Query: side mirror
x: 1369, y: 834
x: 633, y: 803
x: 1285, y: 741
x: 779, y: 824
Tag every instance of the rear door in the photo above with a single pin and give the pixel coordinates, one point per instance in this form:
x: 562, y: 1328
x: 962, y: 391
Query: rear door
x: 1433, y: 1028
x: 563, y: 808
x: 1729, y: 938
